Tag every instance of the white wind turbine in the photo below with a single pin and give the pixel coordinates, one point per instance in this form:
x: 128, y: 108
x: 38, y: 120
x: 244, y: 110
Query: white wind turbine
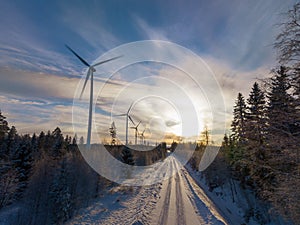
x: 142, y: 136
x: 136, y: 131
x: 90, y: 72
x: 127, y: 117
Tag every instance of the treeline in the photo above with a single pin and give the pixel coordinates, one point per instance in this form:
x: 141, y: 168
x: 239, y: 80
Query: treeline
x: 264, y: 143
x: 43, y: 178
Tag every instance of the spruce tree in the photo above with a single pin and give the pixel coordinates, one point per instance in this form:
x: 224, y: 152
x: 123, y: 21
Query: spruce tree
x: 238, y: 138
x: 296, y: 102
x: 22, y: 162
x: 4, y: 129
x: 239, y: 118
x: 283, y: 146
x: 58, y: 142
x: 280, y: 108
x: 12, y: 141
x: 256, y: 126
x: 256, y: 115
x: 60, y: 194
x: 74, y: 140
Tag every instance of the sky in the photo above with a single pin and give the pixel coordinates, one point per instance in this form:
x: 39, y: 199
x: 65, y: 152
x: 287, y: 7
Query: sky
x: 40, y: 77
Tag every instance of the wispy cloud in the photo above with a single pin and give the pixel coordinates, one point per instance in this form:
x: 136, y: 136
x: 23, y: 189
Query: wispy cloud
x: 149, y: 32
x: 88, y: 22
x: 36, y: 85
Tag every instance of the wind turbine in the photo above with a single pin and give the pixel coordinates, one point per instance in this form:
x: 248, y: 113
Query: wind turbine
x: 142, y: 136
x: 136, y: 131
x: 127, y: 117
x: 90, y: 72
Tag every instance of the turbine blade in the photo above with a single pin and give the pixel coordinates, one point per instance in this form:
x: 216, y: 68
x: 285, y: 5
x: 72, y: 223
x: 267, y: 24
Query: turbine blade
x: 129, y: 108
x: 131, y: 119
x: 107, y: 60
x: 86, y: 79
x: 124, y: 114
x: 81, y: 59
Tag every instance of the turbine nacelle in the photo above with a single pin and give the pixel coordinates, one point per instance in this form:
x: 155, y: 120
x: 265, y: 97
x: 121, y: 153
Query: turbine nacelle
x: 92, y: 69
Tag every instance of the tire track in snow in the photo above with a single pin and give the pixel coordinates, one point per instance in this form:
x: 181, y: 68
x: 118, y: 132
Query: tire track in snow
x: 179, y: 200
x: 163, y: 217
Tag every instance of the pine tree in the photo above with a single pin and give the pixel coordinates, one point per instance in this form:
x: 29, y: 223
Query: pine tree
x: 34, y: 146
x: 74, y: 140
x: 238, y: 128
x: 4, y: 129
x: 41, y: 141
x: 296, y: 102
x: 256, y: 126
x: 256, y: 115
x: 239, y: 117
x: 12, y: 141
x: 58, y: 142
x: 8, y: 183
x: 280, y: 109
x: 22, y: 162
x: 61, y: 195
x: 283, y: 147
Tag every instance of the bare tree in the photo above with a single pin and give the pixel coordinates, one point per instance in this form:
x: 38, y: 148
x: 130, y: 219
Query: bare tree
x: 288, y: 41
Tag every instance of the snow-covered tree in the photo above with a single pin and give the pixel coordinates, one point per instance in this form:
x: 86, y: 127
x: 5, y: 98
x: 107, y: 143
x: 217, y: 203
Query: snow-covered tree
x: 22, y: 162
x: 61, y: 195
x: 8, y: 183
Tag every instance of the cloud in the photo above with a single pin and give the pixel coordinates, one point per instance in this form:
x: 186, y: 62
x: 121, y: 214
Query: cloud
x: 36, y: 85
x: 88, y: 22
x: 149, y: 32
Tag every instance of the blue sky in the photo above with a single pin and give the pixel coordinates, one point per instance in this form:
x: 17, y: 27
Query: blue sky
x: 39, y: 75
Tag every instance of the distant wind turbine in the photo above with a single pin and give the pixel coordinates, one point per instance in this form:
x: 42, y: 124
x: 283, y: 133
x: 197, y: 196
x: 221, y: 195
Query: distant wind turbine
x: 142, y: 136
x: 127, y: 117
x: 90, y: 72
x: 136, y: 131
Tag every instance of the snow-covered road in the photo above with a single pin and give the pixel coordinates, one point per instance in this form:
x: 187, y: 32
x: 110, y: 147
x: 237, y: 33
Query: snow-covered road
x: 178, y: 200
x: 183, y: 202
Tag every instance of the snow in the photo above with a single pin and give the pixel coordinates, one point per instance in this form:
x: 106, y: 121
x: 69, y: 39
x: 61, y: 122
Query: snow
x: 173, y: 201
x: 183, y: 199
x: 233, y: 202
